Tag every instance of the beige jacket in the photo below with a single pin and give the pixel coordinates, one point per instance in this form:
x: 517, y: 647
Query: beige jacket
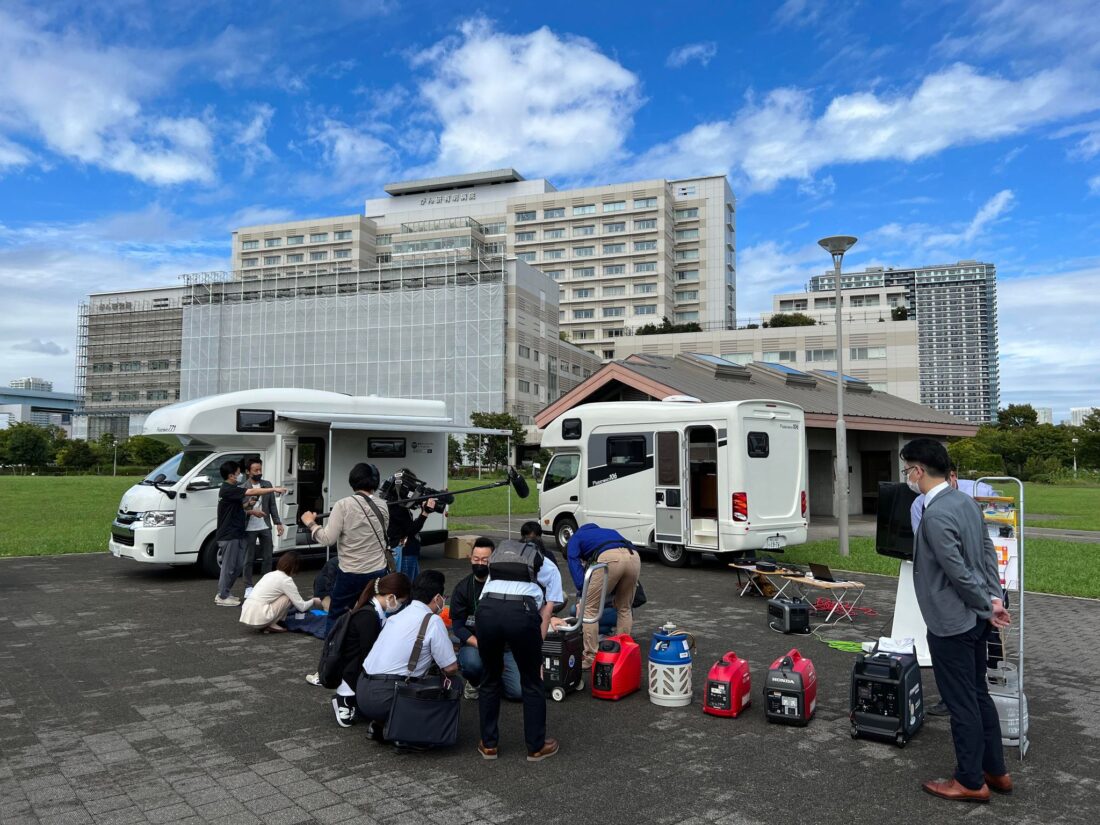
x: 359, y: 535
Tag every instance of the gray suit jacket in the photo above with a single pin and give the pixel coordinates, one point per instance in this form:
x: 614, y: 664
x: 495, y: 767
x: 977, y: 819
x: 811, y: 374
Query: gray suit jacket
x: 266, y: 502
x: 954, y: 565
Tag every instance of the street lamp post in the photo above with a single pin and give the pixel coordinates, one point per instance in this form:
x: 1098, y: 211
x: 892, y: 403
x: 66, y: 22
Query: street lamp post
x: 837, y: 245
x: 1074, y: 442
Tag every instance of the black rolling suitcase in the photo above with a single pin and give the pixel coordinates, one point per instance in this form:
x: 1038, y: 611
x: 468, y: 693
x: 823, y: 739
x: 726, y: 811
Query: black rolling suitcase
x: 887, y: 700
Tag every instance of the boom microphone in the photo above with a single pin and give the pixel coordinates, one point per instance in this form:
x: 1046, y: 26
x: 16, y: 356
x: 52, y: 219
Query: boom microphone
x: 519, y: 483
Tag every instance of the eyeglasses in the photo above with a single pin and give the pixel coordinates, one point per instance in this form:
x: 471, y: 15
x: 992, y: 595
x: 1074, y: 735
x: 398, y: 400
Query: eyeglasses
x: 905, y: 471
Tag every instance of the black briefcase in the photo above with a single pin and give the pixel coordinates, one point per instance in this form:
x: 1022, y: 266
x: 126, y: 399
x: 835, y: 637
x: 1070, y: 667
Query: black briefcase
x: 424, y: 711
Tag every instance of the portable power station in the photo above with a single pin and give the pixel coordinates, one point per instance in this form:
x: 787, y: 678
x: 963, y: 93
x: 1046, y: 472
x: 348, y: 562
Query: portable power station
x: 563, y: 661
x: 790, y: 691
x: 617, y: 669
x: 729, y: 687
x: 789, y: 615
x: 886, y: 699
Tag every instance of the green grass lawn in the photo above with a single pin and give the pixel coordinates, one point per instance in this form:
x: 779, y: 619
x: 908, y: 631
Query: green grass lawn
x: 1078, y: 508
x: 490, y: 502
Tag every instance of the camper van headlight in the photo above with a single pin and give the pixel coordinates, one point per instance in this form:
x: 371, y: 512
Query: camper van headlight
x: 159, y: 518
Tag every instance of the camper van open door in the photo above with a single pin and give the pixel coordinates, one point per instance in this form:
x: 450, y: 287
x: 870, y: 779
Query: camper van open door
x: 288, y: 506
x: 668, y: 493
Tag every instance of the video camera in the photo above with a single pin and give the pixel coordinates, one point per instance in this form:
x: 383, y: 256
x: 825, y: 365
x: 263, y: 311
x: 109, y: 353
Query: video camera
x: 404, y: 485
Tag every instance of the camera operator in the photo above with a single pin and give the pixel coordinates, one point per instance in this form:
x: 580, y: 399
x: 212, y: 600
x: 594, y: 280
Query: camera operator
x: 404, y: 530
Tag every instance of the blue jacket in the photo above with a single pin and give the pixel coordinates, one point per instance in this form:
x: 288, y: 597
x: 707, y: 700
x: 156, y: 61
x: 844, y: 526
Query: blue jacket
x: 589, y: 541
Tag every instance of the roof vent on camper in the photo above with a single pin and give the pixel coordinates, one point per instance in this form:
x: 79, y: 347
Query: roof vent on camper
x: 722, y: 367
x: 683, y: 399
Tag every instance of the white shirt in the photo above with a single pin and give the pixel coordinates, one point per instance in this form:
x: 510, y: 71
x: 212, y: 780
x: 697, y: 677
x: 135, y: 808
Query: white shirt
x: 548, y: 576
x: 259, y: 608
x: 391, y: 652
x: 971, y: 488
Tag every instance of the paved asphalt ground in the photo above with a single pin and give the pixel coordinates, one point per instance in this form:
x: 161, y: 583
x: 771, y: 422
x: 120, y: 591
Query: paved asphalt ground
x: 127, y: 696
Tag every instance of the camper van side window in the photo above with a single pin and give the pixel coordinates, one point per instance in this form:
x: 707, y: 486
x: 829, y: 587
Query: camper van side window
x: 758, y: 445
x: 563, y: 469
x: 571, y: 429
x: 626, y: 451
x: 255, y: 421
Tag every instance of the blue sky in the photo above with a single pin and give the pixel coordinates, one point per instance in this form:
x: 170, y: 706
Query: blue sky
x: 134, y: 136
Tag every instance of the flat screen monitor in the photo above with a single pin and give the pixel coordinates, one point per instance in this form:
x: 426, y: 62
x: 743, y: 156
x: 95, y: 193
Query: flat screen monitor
x: 894, y: 535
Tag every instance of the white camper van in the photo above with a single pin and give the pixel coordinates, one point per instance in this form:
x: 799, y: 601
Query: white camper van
x: 308, y: 441
x: 680, y: 477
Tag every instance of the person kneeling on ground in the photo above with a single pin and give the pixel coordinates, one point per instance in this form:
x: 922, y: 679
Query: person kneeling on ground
x: 464, y: 603
x: 532, y: 531
x: 388, y: 660
x: 380, y: 599
x: 273, y: 596
x: 590, y: 544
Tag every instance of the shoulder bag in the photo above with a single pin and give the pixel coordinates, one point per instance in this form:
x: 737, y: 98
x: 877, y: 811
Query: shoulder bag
x: 424, y: 711
x: 391, y: 562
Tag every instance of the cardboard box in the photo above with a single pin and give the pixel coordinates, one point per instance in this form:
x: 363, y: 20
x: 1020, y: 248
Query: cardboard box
x: 459, y: 547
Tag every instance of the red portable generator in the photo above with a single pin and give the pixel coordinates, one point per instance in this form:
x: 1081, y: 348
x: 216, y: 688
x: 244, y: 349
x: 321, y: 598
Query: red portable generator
x: 729, y: 687
x: 617, y: 669
x: 791, y: 690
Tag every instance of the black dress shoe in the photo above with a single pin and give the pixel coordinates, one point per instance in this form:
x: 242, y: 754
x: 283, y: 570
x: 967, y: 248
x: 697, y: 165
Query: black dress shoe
x: 938, y: 709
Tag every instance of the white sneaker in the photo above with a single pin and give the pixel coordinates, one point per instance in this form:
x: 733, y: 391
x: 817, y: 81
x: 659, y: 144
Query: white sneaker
x: 247, y: 592
x: 228, y: 601
x: 344, y: 706
x: 470, y: 691
x: 314, y: 679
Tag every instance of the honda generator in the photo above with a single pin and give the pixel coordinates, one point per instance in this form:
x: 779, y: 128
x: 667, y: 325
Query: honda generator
x: 789, y: 616
x: 617, y: 670
x: 790, y: 691
x: 729, y: 687
x: 887, y: 700
x: 563, y: 660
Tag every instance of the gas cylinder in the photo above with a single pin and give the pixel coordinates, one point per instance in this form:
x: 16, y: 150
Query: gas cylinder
x: 670, y: 655
x: 729, y: 687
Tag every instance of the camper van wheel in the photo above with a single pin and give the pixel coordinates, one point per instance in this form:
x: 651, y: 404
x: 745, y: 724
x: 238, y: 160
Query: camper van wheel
x: 564, y: 530
x: 674, y: 555
x: 557, y: 694
x: 209, y: 559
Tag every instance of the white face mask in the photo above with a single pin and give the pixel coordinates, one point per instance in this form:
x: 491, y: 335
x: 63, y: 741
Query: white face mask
x: 912, y: 485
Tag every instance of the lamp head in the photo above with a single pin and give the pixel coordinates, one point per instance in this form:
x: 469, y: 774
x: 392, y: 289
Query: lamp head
x: 837, y: 244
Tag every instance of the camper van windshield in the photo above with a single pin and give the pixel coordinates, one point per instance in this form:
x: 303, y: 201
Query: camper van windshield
x: 178, y: 466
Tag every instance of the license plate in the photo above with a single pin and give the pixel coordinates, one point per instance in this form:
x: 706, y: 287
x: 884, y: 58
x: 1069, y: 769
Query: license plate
x: 774, y: 542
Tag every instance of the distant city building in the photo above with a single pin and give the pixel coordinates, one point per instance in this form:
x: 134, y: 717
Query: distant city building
x: 1045, y: 415
x: 32, y: 406
x: 955, y: 307
x: 39, y: 384
x: 1077, y: 415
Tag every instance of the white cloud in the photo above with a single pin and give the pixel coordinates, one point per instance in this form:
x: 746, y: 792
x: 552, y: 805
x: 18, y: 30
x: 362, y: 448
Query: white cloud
x: 1029, y: 28
x: 354, y: 158
x: 545, y: 103
x: 1094, y: 185
x: 41, y: 347
x: 781, y: 137
x: 87, y: 102
x: 799, y: 12
x: 692, y: 52
x: 251, y: 137
x: 989, y: 212
x: 767, y: 268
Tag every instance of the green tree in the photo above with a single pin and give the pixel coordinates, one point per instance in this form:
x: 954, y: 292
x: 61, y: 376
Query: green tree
x: 454, y: 452
x: 899, y: 314
x: 972, y: 457
x: 145, y: 452
x: 1015, y: 416
x: 28, y: 445
x: 493, y: 449
x: 77, y: 455
x: 790, y: 319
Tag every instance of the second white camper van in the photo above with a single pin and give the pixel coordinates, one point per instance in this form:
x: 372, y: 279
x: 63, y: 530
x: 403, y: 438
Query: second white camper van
x: 680, y: 477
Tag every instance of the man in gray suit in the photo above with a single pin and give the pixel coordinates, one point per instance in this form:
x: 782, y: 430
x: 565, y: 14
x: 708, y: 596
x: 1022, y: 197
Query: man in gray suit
x: 959, y: 592
x: 262, y: 514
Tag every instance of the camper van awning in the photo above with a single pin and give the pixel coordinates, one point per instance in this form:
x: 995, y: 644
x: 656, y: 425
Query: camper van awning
x: 397, y: 422
x: 423, y: 428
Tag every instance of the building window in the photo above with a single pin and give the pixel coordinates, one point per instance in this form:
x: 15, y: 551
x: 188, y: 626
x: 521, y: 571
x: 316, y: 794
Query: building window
x: 128, y: 395
x: 249, y: 261
x: 528, y: 257
x: 613, y: 228
x: 613, y: 332
x: 614, y: 248
x: 342, y: 235
x: 553, y: 234
x: 272, y: 260
x: 687, y: 254
x: 523, y: 386
x: 104, y: 366
x: 580, y: 314
x: 584, y: 251
x: 645, y: 289
x: 580, y: 335
x: 645, y: 309
x: 101, y: 396
x: 820, y: 303
x: 524, y: 352
x: 780, y: 356
x: 525, y: 216
x: 650, y: 266
x: 250, y: 245
x: 584, y: 230
x: 272, y: 242
x: 615, y: 269
x: 645, y: 246
x: 614, y: 312
x: 788, y: 306
x: 160, y: 364
x: 296, y: 258
x: 647, y: 223
x: 867, y: 353
x: 820, y: 355
x: 342, y: 253
x: 586, y: 209
x: 686, y: 214
x: 318, y: 256
x: 614, y: 206
x: 486, y: 229
x: 687, y: 275
x: 687, y: 295
x: 583, y: 293
x: 295, y: 239
x: 554, y: 212
x: 611, y: 291
x: 687, y: 234
x: 129, y: 366
x: 553, y: 254
x: 157, y: 395
x: 318, y: 237
x: 690, y: 315
x: 584, y: 272
x: 556, y: 274
x: 525, y: 236
x: 645, y: 203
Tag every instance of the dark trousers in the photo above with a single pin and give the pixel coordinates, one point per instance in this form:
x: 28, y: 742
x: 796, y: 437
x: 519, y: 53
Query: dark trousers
x: 345, y: 593
x: 374, y: 698
x: 263, y: 539
x: 959, y: 665
x: 515, y: 625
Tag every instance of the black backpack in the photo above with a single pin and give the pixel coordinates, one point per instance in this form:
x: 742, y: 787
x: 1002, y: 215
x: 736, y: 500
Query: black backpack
x: 516, y: 561
x: 330, y: 669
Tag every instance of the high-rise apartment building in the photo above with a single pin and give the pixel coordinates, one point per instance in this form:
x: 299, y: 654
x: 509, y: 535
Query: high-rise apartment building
x: 1044, y: 415
x: 955, y: 307
x: 37, y: 384
x: 624, y: 255
x: 1077, y: 415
